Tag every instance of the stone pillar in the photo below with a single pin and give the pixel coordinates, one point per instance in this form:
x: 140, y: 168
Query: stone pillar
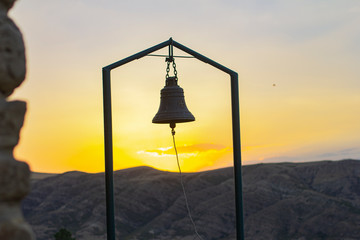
x: 14, y: 175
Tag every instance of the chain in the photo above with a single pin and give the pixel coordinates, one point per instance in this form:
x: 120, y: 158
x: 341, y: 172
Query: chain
x: 167, y: 70
x: 174, y: 66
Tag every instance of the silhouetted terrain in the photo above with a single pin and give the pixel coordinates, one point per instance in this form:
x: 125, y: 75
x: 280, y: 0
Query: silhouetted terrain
x: 317, y: 200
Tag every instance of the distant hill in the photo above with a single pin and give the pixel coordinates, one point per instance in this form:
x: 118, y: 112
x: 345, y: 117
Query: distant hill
x: 302, y: 201
x: 38, y: 176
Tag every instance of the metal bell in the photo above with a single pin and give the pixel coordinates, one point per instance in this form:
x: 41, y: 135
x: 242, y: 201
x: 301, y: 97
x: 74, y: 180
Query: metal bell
x: 172, y: 105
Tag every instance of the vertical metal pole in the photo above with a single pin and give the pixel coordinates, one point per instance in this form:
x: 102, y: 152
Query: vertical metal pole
x: 237, y: 156
x: 109, y: 181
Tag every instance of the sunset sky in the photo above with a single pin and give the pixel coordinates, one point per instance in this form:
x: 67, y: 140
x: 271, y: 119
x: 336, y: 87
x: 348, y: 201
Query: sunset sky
x: 298, y: 65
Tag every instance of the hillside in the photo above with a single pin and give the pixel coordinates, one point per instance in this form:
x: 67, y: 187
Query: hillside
x: 317, y: 200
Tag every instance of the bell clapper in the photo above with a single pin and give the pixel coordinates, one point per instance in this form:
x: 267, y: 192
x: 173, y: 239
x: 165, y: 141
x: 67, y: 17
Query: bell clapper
x: 172, y: 125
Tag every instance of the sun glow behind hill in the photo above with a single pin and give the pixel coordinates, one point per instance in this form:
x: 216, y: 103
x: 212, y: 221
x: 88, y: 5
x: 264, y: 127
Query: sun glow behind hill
x: 299, y: 88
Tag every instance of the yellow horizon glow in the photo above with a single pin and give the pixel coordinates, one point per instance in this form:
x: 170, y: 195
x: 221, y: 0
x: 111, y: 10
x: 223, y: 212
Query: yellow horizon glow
x: 70, y: 132
x: 298, y: 77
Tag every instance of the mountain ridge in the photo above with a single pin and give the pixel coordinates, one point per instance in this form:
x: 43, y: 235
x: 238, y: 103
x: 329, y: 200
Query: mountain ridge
x: 312, y: 200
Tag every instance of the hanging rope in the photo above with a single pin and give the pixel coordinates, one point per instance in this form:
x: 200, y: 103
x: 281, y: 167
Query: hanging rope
x: 183, y: 188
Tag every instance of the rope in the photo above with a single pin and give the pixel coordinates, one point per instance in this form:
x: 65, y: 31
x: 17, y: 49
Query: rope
x: 183, y: 188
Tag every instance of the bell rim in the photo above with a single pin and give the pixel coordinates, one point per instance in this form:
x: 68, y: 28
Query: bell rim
x: 166, y: 121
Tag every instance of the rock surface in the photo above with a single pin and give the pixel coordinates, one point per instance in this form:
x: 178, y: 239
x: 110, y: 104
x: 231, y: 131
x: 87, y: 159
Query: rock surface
x: 303, y: 201
x: 5, y: 5
x: 12, y: 223
x: 11, y: 120
x: 12, y: 56
x: 14, y: 175
x: 14, y: 181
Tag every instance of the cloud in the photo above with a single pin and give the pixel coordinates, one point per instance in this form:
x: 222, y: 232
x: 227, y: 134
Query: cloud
x: 346, y: 153
x: 275, y: 160
x: 340, y: 154
x: 186, y: 150
x: 201, y: 147
x: 195, y: 157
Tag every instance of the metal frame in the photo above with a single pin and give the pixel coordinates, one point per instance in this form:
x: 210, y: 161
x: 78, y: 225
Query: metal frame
x: 110, y: 218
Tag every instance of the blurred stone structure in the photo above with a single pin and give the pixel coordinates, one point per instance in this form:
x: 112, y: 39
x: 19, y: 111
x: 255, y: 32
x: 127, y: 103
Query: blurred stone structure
x: 14, y: 175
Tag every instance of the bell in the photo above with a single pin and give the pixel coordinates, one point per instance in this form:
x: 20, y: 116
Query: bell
x: 172, y: 105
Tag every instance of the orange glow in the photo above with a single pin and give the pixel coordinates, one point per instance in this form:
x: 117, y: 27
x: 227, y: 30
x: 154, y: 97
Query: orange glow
x: 191, y: 158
